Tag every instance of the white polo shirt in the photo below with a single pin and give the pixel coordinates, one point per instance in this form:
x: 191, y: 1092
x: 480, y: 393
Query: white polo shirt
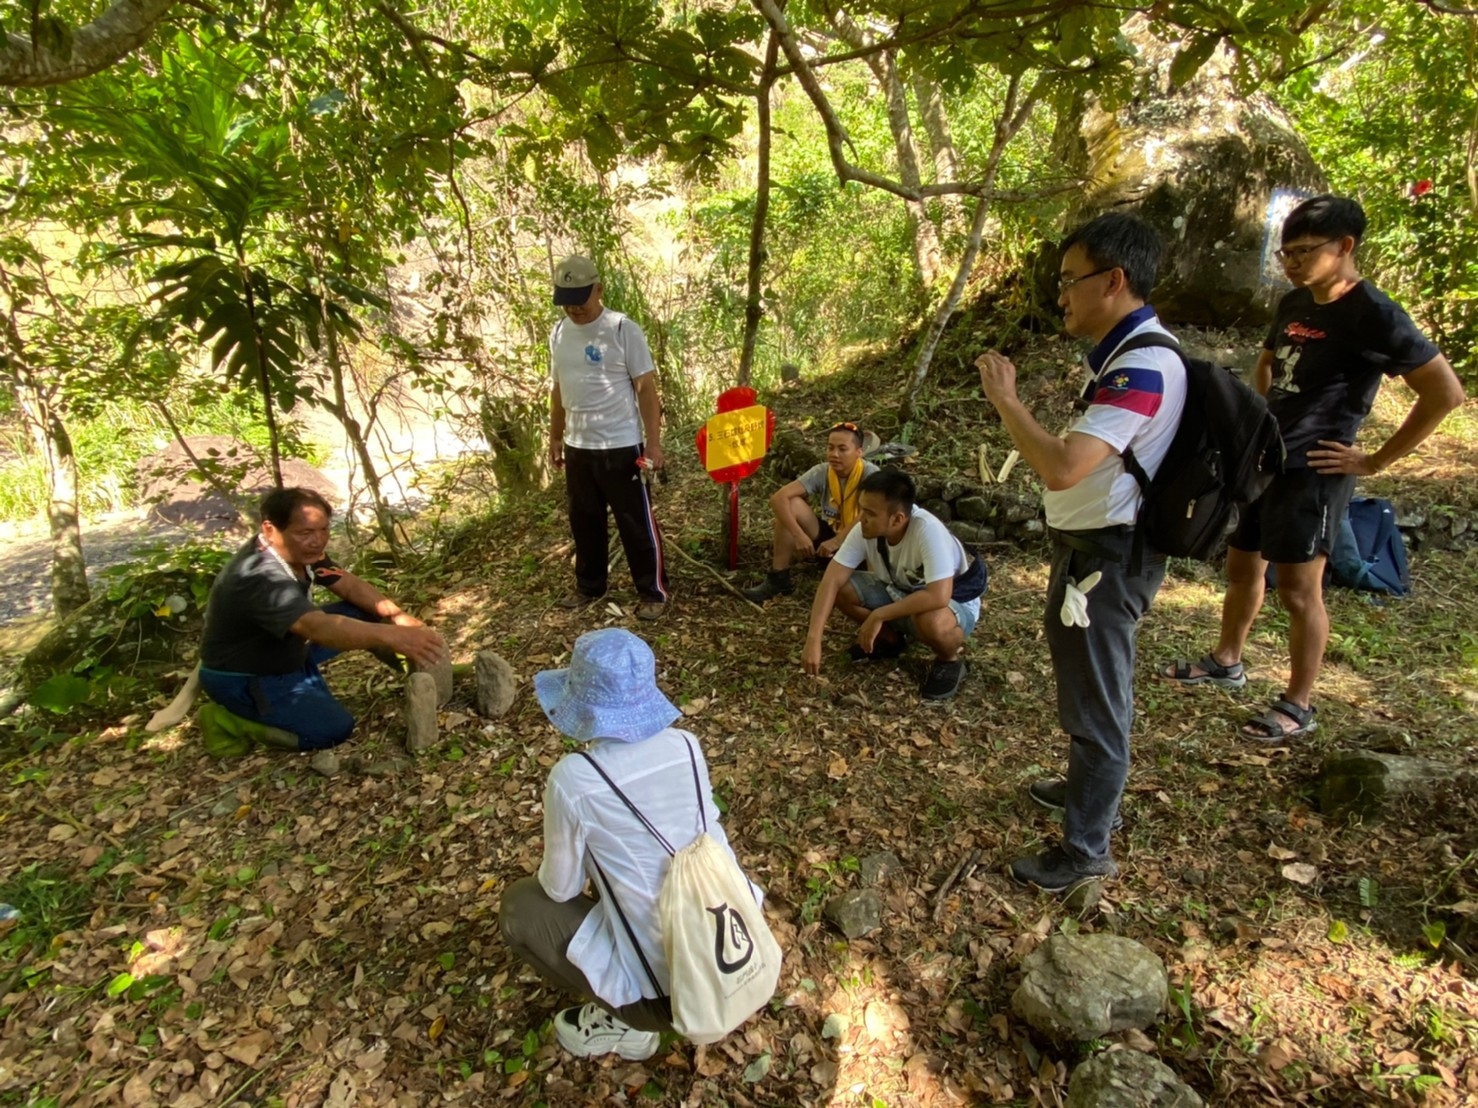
x: 1137, y: 404
x: 596, y: 365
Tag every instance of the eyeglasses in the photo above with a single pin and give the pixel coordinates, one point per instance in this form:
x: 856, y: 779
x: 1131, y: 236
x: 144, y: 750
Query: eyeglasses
x: 1299, y: 253
x: 844, y: 427
x: 1065, y: 283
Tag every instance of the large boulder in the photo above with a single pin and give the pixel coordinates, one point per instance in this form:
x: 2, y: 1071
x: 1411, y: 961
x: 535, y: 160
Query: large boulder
x: 1214, y: 170
x: 1079, y: 987
x: 1128, y: 1079
x: 170, y: 482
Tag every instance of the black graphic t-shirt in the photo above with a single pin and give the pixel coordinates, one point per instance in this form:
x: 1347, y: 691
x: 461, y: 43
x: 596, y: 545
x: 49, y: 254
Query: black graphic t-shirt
x: 1328, y: 361
x: 253, y: 602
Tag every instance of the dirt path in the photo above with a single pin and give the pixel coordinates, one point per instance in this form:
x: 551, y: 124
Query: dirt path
x: 25, y: 556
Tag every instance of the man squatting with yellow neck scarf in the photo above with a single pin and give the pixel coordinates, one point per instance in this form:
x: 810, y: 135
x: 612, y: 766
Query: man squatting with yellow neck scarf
x: 804, y: 532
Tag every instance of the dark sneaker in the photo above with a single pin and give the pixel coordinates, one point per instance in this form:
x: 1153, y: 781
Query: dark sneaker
x: 577, y: 599
x: 943, y: 680
x: 1056, y: 871
x: 651, y: 610
x: 1051, y: 792
x: 882, y: 650
x: 772, y: 586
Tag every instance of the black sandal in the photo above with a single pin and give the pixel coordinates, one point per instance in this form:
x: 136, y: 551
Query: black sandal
x: 1268, y: 728
x: 1212, y: 673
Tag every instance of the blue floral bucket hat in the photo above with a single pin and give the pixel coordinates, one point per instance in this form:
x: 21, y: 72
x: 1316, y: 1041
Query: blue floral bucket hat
x: 609, y: 692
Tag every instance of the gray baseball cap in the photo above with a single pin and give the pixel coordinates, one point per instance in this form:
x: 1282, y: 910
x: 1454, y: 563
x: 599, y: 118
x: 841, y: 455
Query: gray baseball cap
x: 574, y: 277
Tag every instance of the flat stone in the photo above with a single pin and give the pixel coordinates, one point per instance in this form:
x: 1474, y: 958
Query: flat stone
x: 855, y: 912
x: 420, y: 712
x: 971, y: 534
x: 877, y: 868
x: 497, y: 684
x: 441, y: 673
x: 385, y: 767
x: 325, y: 762
x: 1128, y: 1079
x: 1079, y: 987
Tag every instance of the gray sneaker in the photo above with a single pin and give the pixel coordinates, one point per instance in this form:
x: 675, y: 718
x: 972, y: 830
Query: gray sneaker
x: 1051, y: 792
x: 1057, y: 871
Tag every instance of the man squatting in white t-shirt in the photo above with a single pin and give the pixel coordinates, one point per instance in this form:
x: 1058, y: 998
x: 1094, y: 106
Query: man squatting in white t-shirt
x: 604, y: 390
x: 919, y: 583
x: 1108, y: 268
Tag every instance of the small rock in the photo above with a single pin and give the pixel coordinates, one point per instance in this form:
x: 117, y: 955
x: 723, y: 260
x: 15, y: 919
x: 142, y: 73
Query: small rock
x: 928, y: 488
x: 420, y: 712
x: 1079, y: 987
x: 1193, y: 877
x: 1034, y: 527
x: 855, y: 912
x: 1083, y: 895
x: 973, y: 508
x: 938, y: 508
x: 1128, y: 1079
x: 441, y: 673
x: 877, y: 868
x: 789, y: 371
x: 497, y: 684
x: 971, y: 534
x: 386, y: 767
x: 226, y: 805
x: 325, y: 762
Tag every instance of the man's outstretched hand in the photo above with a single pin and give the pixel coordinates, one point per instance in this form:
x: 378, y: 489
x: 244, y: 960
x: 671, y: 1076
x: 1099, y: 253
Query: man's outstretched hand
x: 421, y: 645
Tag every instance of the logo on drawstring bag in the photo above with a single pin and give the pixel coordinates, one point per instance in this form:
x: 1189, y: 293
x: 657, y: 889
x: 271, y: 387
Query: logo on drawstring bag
x: 728, y: 922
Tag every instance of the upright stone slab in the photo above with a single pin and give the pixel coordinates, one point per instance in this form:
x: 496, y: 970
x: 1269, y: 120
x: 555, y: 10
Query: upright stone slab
x: 497, y: 684
x: 1362, y: 782
x: 420, y: 712
x: 441, y: 674
x: 1128, y: 1079
x: 1079, y: 987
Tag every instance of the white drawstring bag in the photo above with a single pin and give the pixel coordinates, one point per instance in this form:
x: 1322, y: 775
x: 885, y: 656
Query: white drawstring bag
x: 722, y: 958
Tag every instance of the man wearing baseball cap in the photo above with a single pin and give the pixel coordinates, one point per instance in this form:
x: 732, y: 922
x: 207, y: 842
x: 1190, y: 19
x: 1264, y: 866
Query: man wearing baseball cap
x: 604, y: 395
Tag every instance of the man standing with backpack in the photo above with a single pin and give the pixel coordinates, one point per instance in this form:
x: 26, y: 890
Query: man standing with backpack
x: 1332, y: 340
x: 1102, y: 581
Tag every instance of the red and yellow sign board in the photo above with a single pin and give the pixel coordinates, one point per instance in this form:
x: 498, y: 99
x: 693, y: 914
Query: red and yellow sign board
x: 732, y: 444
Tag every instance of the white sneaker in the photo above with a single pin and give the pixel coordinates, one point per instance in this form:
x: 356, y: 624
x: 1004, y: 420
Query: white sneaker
x: 590, y: 1030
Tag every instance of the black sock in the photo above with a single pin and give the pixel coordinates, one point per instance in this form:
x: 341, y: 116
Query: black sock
x: 780, y: 578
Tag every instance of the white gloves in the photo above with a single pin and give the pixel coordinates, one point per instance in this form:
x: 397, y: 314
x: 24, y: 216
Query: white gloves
x: 1075, y: 601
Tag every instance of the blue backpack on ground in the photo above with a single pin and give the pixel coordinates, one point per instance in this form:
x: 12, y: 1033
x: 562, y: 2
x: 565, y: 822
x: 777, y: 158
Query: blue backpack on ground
x: 1370, y: 553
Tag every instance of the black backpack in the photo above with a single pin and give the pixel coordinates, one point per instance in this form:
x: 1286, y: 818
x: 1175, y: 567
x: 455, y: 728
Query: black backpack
x: 1224, y: 453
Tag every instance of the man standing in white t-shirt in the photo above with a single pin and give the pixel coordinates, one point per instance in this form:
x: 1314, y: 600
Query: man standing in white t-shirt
x: 604, y: 392
x: 1101, y: 584
x: 920, y: 583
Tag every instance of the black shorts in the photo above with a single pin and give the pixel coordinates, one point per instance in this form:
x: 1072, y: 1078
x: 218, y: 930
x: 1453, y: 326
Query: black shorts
x: 1297, y: 518
x: 824, y: 532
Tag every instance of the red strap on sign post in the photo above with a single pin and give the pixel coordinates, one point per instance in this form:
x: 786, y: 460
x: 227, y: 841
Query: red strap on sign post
x: 732, y: 446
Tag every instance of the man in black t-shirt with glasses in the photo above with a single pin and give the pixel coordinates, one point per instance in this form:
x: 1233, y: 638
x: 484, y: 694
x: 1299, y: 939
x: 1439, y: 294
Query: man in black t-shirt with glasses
x: 1334, y: 338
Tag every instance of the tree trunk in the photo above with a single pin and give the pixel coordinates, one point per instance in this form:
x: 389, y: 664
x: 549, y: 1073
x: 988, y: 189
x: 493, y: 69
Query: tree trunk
x: 753, y: 309
x: 941, y: 143
x: 384, y: 520
x: 925, y: 237
x: 884, y: 67
x: 69, y: 589
x: 1015, y: 111
x: 52, y: 53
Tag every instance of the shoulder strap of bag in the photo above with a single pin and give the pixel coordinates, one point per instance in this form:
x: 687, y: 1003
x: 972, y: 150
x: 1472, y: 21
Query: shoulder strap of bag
x: 697, y: 786
x: 626, y: 923
x: 637, y: 812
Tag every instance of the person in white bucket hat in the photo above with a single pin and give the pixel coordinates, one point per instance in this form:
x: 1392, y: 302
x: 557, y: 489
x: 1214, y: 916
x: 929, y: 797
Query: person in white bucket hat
x: 609, y: 950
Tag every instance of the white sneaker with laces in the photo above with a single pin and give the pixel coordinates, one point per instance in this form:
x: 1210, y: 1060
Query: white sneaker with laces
x: 590, y: 1030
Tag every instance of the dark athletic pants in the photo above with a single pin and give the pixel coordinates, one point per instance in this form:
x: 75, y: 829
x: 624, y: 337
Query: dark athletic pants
x: 599, y: 479
x: 1094, y: 667
x: 539, y: 929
